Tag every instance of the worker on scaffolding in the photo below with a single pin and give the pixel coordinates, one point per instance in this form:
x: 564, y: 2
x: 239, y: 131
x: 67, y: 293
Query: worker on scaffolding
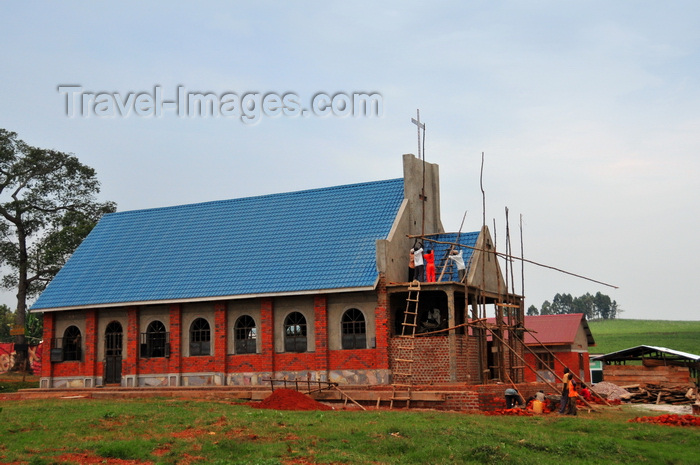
x: 456, y: 256
x: 429, y: 258
x: 417, y: 252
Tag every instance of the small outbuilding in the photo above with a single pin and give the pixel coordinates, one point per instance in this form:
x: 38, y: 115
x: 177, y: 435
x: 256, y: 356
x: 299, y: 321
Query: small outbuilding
x: 659, y: 365
x: 556, y: 342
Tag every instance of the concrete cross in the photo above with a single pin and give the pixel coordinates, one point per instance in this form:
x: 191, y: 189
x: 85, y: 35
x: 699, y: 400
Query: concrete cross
x: 420, y: 126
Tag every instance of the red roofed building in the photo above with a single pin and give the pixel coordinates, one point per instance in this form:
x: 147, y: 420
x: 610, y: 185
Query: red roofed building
x: 559, y: 341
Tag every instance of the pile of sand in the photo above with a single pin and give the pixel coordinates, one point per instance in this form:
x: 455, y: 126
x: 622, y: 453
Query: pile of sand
x: 288, y: 399
x: 611, y: 391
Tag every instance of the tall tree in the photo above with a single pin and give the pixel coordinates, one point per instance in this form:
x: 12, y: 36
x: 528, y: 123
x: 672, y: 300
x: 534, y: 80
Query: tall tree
x: 6, y: 320
x: 546, y: 308
x: 593, y: 306
x: 607, y: 308
x: 47, y: 207
x: 532, y: 311
x: 584, y: 304
x: 562, y: 304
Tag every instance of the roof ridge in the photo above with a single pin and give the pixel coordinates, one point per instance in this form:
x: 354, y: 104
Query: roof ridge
x: 254, y: 197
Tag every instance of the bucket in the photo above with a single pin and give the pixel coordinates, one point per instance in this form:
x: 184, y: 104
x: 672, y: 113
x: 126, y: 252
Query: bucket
x: 537, y: 406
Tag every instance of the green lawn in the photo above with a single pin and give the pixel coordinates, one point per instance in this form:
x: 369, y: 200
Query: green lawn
x: 169, y: 431
x: 614, y: 335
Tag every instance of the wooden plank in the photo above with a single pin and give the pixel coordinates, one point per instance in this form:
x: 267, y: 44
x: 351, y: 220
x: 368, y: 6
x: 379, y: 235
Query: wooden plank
x: 373, y: 396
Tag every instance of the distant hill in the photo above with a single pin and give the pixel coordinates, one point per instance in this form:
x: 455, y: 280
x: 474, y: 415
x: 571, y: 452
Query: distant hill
x: 614, y: 335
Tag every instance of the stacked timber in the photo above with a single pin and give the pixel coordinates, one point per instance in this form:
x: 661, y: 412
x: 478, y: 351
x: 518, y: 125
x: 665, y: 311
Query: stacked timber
x: 624, y: 375
x: 660, y: 394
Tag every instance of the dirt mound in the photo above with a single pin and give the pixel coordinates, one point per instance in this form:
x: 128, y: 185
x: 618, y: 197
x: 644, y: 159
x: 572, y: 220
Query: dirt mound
x: 288, y: 399
x: 611, y: 391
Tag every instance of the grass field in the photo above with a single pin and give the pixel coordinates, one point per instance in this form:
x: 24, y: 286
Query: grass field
x: 169, y: 431
x: 614, y: 335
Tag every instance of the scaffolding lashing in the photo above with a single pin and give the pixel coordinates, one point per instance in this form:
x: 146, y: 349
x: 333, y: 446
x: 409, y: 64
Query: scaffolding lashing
x: 402, y: 376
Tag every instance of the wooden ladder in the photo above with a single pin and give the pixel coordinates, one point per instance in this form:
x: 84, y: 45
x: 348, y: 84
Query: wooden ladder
x: 446, y: 267
x: 402, y: 380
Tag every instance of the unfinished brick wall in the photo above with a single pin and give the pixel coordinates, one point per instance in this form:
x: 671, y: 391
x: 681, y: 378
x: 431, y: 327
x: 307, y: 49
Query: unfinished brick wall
x: 492, y: 396
x: 432, y: 359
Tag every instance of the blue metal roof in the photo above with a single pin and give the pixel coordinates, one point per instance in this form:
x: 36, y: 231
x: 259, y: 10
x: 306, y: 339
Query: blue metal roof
x: 442, y: 250
x: 298, y: 241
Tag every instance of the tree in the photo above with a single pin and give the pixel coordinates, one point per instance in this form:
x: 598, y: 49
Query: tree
x: 546, y: 308
x: 562, y: 304
x: 584, y: 304
x: 6, y: 319
x: 47, y: 207
x: 532, y: 311
x: 598, y: 306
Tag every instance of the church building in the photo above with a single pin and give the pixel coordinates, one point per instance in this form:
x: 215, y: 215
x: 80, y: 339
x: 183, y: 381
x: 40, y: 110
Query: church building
x: 300, y: 285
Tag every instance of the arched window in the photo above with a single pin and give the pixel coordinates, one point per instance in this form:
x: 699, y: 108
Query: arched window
x: 200, y: 337
x: 71, y: 343
x: 154, y: 342
x: 244, y: 334
x: 295, y: 333
x: 354, y: 330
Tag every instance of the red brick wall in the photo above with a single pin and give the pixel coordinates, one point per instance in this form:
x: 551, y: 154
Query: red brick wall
x: 359, y: 359
x: 220, y: 337
x: 267, y: 340
x: 70, y: 368
x: 150, y: 366
x: 431, y: 359
x: 130, y: 363
x: 462, y: 356
x: 381, y: 323
x: 295, y: 362
x: 175, y: 360
x: 245, y: 363
x: 321, y: 331
x: 90, y: 355
x: 431, y: 362
x: 431, y: 365
x: 461, y: 401
x: 199, y: 364
x: 473, y: 367
x: 492, y: 396
x: 47, y: 366
x: 562, y: 360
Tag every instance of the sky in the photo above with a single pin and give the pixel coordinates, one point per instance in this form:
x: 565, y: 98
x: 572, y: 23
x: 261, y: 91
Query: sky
x: 587, y: 115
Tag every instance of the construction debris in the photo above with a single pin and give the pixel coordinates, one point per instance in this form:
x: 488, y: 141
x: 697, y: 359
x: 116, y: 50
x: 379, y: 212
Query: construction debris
x: 510, y: 412
x: 647, y: 393
x: 673, y: 420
